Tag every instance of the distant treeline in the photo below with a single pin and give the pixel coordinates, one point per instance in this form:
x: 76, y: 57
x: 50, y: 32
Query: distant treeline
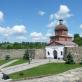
x: 30, y: 45
x: 22, y: 45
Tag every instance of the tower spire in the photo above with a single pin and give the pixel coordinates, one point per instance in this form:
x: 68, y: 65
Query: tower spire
x: 61, y: 21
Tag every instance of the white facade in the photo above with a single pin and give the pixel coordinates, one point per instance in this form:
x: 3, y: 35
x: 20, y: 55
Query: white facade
x: 55, y: 52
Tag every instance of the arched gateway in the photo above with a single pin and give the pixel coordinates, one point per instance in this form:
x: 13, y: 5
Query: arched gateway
x: 55, y: 54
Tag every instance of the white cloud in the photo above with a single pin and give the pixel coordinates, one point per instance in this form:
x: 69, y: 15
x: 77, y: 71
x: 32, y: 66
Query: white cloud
x: 63, y: 12
x: 48, y: 34
x: 80, y: 35
x: 1, y: 15
x: 41, y: 13
x: 81, y: 26
x: 51, y: 24
x: 38, y: 36
x: 63, y: 9
x: 17, y: 29
x: 21, y: 37
x: 70, y: 34
x: 51, y: 17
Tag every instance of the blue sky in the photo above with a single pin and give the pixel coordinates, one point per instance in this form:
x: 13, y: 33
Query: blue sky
x: 34, y: 20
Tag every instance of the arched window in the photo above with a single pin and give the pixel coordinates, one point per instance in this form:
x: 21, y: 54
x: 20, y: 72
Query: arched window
x: 55, y: 54
x: 48, y: 53
x: 61, y: 53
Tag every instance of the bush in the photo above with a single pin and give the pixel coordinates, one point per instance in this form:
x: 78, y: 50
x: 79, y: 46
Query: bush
x: 26, y: 55
x: 21, y: 73
x: 7, y: 57
x: 80, y: 62
x: 69, y: 59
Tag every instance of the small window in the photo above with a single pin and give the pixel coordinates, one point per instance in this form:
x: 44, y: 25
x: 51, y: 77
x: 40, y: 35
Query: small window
x: 48, y: 53
x: 61, y: 53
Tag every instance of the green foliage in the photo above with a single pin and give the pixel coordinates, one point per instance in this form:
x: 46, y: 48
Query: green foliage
x: 77, y: 39
x: 80, y: 61
x: 21, y: 74
x: 76, y: 35
x: 3, y: 61
x: 20, y: 61
x: 45, y: 70
x: 23, y: 45
x: 69, y: 59
x: 7, y: 57
x: 26, y: 55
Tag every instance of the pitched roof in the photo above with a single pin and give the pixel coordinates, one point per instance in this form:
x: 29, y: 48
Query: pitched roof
x: 64, y: 43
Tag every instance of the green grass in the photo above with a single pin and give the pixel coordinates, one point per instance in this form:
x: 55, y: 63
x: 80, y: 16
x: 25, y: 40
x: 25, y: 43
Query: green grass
x: 4, y: 61
x: 20, y: 61
x: 47, y: 69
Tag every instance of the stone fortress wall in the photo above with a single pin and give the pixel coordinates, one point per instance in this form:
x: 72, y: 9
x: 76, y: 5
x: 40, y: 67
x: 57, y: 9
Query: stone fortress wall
x: 18, y: 53
x: 41, y: 53
x: 76, y: 52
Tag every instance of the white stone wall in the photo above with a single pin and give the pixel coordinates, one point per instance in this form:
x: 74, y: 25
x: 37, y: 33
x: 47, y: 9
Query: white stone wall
x: 59, y: 49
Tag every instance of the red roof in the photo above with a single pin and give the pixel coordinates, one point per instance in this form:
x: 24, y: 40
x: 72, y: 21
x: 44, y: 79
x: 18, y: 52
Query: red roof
x: 65, y: 43
x: 61, y: 27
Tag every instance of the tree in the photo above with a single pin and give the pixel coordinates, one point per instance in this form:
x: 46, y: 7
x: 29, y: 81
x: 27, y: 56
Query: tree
x: 77, y: 39
x: 26, y: 55
x: 76, y: 35
x: 22, y: 45
x: 7, y: 57
x: 80, y: 61
x: 69, y: 59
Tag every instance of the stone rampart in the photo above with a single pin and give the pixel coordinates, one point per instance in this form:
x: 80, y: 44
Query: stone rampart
x: 76, y: 52
x: 18, y: 53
